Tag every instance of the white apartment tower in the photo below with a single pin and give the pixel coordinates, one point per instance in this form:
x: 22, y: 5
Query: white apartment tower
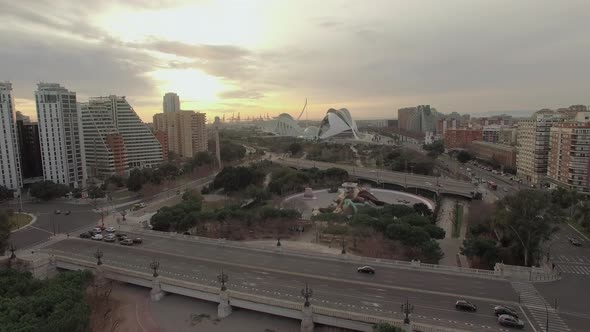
x: 121, y: 139
x: 171, y: 103
x: 60, y: 135
x: 10, y: 168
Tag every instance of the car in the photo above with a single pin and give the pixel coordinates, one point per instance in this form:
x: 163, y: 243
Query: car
x: 366, y: 269
x: 137, y: 240
x: 465, y: 306
x: 507, y: 320
x: 126, y: 242
x: 333, y: 190
x: 96, y: 230
x: 109, y: 239
x: 57, y: 212
x: 505, y: 310
x: 68, y: 212
x: 574, y: 242
x: 110, y: 229
x: 97, y: 237
x: 120, y: 235
x: 85, y: 235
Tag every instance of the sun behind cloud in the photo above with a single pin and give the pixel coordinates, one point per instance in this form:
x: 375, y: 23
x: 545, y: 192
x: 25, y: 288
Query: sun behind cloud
x: 190, y: 84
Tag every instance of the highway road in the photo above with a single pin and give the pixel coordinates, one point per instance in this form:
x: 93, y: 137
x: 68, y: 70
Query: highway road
x: 403, y: 179
x: 335, y: 283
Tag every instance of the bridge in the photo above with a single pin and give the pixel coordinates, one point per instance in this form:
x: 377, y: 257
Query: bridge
x: 270, y: 280
x: 408, y: 181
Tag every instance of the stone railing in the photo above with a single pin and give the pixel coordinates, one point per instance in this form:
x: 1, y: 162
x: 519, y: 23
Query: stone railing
x: 295, y: 306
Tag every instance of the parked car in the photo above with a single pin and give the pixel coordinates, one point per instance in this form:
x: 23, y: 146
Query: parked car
x: 507, y: 320
x: 120, y: 235
x: 85, y: 235
x: 574, y: 241
x: 96, y: 230
x: 127, y: 242
x: 504, y: 310
x: 465, y: 305
x: 333, y: 190
x: 366, y: 269
x: 68, y: 212
x: 137, y: 240
x: 109, y: 239
x: 110, y: 229
x: 57, y: 212
x: 97, y: 237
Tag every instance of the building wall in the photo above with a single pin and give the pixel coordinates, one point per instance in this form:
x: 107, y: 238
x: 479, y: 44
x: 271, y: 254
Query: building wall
x: 10, y: 166
x: 460, y: 138
x: 569, y: 156
x: 60, y: 135
x: 162, y: 137
x: 185, y: 130
x: 119, y: 155
x: 30, y: 149
x: 504, y: 155
x: 171, y: 103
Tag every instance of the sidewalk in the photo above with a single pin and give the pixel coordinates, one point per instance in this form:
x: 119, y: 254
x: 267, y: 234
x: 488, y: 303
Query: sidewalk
x: 450, y: 246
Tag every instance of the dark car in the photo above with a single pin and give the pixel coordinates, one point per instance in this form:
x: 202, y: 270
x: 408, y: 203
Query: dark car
x: 504, y: 310
x: 465, y: 305
x: 127, y: 242
x: 85, y: 235
x: 366, y: 269
x: 120, y: 235
x: 574, y: 241
x: 507, y: 320
x: 68, y: 212
x: 333, y: 190
x: 137, y: 240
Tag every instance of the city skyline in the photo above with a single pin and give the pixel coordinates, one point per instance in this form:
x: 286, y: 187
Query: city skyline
x: 459, y: 57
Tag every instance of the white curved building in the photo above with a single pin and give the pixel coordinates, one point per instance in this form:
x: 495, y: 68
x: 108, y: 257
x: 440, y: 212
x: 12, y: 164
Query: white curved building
x: 311, y: 132
x: 283, y: 125
x: 338, y: 123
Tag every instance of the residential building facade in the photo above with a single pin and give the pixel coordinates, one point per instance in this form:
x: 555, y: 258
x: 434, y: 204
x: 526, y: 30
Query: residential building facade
x: 533, y: 137
x: 460, y: 138
x: 419, y: 119
x: 171, y: 103
x: 501, y: 154
x: 116, y: 138
x: 185, y: 131
x: 569, y: 154
x: 29, y: 148
x: 10, y: 166
x: 60, y: 135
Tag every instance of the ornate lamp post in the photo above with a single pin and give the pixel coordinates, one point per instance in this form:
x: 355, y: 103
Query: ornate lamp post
x: 98, y: 255
x: 155, y: 265
x: 223, y: 278
x: 407, y: 309
x: 306, y: 293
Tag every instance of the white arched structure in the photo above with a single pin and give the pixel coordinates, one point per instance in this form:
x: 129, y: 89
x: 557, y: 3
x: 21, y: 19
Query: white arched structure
x: 338, y: 123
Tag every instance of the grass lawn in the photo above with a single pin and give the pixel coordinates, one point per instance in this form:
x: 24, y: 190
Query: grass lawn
x: 19, y: 220
x: 579, y: 228
x: 458, y: 220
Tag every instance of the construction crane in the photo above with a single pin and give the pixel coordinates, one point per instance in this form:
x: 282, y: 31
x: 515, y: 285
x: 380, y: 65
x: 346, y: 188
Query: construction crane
x: 303, y: 110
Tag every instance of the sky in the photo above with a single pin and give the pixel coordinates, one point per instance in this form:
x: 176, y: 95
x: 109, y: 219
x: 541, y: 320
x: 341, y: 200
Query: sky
x: 267, y: 56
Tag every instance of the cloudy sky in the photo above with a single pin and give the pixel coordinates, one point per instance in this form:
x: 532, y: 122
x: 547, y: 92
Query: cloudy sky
x: 267, y: 56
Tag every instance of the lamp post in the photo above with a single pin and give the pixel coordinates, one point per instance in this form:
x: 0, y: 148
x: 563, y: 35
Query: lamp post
x: 407, y: 309
x: 155, y: 265
x: 278, y: 242
x: 343, y: 246
x: 12, y: 249
x: 223, y: 278
x: 98, y: 255
x: 306, y: 293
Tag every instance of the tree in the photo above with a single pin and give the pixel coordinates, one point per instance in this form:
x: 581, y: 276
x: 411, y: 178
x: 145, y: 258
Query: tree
x: 529, y: 218
x: 95, y: 192
x: 294, y: 148
x: 386, y: 327
x: 5, y: 193
x: 48, y: 190
x: 430, y: 252
x: 434, y: 149
x: 135, y: 180
x: 230, y: 151
x: 422, y: 209
x: 582, y: 215
x: 464, y: 156
x: 483, y: 248
x: 4, y: 231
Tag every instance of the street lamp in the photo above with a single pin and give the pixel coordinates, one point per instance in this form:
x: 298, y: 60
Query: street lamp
x: 12, y: 249
x: 155, y: 265
x: 98, y: 255
x: 278, y: 242
x: 306, y: 293
x: 407, y: 309
x: 343, y: 246
x: 223, y: 278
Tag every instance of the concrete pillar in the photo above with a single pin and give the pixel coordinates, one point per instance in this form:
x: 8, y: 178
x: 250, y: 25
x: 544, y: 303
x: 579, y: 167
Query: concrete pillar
x: 224, y: 308
x: 407, y: 327
x: 307, y: 319
x: 156, y: 294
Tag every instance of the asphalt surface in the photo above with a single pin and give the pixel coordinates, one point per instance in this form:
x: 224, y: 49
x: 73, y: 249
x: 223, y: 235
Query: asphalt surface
x: 335, y: 283
x: 403, y: 179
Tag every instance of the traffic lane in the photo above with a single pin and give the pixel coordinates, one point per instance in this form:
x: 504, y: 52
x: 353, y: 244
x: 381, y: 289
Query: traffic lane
x: 408, y: 278
x: 358, y: 297
x: 433, y: 282
x: 573, y: 307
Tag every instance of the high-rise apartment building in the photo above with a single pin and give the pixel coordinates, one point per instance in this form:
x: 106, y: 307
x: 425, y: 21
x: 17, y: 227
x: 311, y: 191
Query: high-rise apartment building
x: 29, y: 147
x: 60, y: 135
x: 116, y: 139
x: 569, y: 154
x: 171, y: 103
x: 419, y: 119
x: 461, y: 138
x: 186, y: 131
x: 10, y: 168
x: 533, y: 137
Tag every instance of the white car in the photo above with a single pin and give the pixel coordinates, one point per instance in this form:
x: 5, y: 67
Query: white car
x: 110, y: 229
x: 97, y: 237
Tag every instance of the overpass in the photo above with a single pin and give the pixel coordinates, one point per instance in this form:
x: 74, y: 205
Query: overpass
x: 190, y: 266
x: 405, y: 180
